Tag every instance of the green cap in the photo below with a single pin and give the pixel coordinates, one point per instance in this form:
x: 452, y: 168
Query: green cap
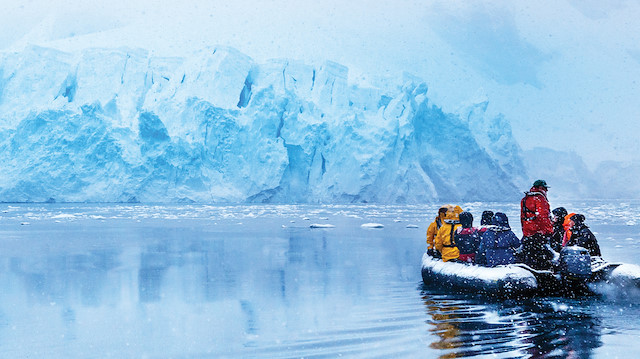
x: 540, y: 183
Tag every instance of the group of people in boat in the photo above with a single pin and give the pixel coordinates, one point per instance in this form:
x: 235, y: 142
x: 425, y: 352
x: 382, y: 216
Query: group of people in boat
x: 453, y: 237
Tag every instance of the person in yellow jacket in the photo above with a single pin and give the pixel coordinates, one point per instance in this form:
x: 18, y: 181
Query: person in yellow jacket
x: 433, y: 229
x: 457, y: 210
x: 444, y: 242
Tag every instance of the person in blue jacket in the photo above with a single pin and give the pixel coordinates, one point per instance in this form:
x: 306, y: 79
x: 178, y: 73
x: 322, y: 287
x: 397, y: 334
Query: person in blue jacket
x: 498, y: 243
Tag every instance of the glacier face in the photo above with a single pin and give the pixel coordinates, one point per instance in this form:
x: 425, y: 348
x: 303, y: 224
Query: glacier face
x: 124, y: 125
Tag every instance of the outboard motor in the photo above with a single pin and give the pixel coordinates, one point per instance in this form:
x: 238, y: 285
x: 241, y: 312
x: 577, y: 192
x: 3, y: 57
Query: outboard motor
x: 575, y: 264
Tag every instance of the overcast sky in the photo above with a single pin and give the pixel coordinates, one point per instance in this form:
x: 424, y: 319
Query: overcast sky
x: 565, y: 72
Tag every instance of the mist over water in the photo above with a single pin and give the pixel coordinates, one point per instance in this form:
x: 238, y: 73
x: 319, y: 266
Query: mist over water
x: 187, y: 281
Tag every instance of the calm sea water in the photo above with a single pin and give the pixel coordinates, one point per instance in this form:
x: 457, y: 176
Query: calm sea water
x: 197, y: 281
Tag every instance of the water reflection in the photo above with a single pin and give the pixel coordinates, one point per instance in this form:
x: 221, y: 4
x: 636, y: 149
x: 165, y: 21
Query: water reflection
x: 537, y: 328
x: 153, y: 266
x: 164, y: 291
x: 60, y: 278
x: 566, y: 331
x: 159, y: 288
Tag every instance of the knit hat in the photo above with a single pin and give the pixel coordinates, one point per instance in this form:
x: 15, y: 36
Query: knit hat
x: 466, y: 219
x: 560, y: 212
x: 486, y: 218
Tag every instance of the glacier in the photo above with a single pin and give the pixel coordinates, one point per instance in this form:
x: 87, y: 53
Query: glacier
x: 123, y: 125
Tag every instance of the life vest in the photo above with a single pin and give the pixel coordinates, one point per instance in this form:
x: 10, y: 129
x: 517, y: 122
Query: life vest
x: 526, y: 212
x: 452, y: 241
x: 567, y: 224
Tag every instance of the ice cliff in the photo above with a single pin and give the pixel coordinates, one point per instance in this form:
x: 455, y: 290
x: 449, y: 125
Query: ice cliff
x: 124, y: 125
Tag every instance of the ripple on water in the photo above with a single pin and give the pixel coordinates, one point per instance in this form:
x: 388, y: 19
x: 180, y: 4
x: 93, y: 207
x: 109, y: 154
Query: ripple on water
x: 388, y: 330
x: 467, y: 327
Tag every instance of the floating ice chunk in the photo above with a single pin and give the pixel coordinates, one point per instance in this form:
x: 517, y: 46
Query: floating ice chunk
x: 372, y: 225
x: 631, y: 223
x: 412, y: 226
x: 317, y: 225
x: 63, y: 216
x: 397, y: 220
x: 24, y: 223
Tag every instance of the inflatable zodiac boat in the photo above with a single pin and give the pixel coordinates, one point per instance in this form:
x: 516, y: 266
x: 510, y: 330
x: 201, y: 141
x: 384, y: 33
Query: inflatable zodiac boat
x: 573, y: 273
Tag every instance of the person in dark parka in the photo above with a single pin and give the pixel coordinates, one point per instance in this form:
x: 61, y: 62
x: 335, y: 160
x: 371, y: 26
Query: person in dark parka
x: 498, y: 243
x: 485, y: 221
x: 582, y: 236
x: 467, y: 238
x: 558, y: 230
x: 487, y: 216
x: 535, y: 217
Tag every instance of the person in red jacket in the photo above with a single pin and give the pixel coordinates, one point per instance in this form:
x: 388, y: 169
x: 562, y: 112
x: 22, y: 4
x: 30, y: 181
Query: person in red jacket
x: 537, y: 227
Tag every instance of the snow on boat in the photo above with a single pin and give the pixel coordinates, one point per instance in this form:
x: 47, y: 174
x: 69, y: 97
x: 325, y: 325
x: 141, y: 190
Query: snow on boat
x: 505, y: 280
x: 575, y: 273
x: 614, y: 279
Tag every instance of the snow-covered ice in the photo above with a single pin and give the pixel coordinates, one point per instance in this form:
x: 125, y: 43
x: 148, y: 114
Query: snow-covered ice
x: 372, y: 225
x: 321, y: 225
